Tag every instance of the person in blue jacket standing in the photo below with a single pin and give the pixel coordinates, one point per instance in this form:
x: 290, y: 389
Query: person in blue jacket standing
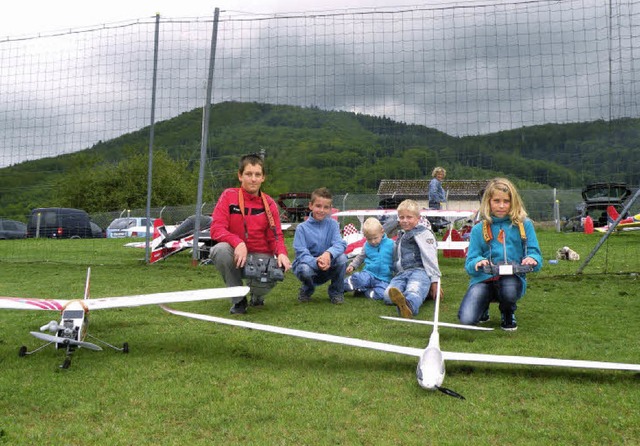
x: 502, y: 246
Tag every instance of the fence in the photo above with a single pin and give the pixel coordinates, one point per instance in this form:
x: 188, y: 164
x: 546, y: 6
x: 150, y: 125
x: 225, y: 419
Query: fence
x: 459, y: 69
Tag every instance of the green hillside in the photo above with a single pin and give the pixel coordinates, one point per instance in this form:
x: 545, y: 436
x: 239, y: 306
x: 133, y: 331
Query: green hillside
x: 308, y: 147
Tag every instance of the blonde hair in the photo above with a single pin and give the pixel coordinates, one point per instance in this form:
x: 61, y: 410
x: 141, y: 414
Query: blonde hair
x: 371, y: 226
x: 437, y: 170
x: 517, y: 213
x: 410, y: 206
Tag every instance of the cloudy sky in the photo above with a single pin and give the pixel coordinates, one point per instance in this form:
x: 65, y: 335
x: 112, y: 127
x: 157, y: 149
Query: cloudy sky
x: 36, y: 16
x: 464, y: 68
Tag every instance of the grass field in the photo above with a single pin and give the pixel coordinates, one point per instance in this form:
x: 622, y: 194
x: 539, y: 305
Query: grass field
x: 192, y: 382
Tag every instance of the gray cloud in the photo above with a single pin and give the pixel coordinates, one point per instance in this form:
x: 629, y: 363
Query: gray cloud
x: 461, y: 70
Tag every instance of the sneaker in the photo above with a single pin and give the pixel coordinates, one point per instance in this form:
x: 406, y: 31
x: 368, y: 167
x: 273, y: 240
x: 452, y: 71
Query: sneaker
x: 303, y: 297
x: 508, y: 322
x: 400, y: 301
x: 256, y: 301
x: 337, y: 300
x: 485, y: 317
x: 239, y: 307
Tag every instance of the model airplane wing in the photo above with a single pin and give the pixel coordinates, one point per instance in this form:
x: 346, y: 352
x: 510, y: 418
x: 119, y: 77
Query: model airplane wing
x: 440, y: 324
x: 388, y: 212
x: 411, y: 351
x: 17, y: 303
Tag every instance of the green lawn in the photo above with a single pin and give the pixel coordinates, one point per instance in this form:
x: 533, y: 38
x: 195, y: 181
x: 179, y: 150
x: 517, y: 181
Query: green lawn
x: 192, y: 382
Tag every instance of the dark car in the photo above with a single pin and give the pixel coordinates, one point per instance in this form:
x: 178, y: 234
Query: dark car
x: 597, y: 198
x: 62, y: 223
x: 10, y: 229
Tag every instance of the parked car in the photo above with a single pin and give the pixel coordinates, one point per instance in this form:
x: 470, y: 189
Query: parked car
x: 129, y: 227
x: 10, y: 229
x: 62, y: 223
x: 597, y: 198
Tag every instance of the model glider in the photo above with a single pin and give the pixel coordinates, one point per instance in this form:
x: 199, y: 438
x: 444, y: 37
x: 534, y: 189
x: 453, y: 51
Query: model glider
x: 430, y: 371
x: 71, y: 331
x: 625, y: 224
x: 355, y: 238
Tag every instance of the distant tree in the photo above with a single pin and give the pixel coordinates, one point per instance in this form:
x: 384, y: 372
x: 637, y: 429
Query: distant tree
x: 124, y: 185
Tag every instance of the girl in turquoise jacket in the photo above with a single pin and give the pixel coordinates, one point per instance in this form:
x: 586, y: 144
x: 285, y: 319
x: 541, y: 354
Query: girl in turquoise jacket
x: 502, y: 247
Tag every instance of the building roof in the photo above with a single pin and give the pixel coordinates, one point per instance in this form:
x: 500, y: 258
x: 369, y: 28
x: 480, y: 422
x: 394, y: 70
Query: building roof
x: 419, y: 189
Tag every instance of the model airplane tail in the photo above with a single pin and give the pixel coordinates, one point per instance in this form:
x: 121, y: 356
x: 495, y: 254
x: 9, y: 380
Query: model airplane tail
x: 86, y: 285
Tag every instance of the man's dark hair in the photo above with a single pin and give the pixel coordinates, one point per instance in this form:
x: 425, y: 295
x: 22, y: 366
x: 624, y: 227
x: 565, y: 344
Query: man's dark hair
x: 252, y: 158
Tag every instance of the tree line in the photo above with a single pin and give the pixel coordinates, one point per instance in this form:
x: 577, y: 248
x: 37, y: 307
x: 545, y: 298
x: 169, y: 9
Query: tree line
x: 306, y: 148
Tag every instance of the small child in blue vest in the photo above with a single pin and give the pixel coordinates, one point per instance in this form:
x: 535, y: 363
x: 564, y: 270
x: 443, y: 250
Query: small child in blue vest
x: 415, y: 261
x: 504, y: 236
x: 377, y: 256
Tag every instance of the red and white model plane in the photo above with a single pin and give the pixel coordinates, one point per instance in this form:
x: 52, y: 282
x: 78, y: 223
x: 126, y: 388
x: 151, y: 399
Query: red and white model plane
x: 71, y: 332
x: 430, y: 371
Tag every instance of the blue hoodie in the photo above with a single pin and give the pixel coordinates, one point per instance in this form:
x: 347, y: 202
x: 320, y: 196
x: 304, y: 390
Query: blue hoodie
x: 479, y: 249
x: 313, y: 237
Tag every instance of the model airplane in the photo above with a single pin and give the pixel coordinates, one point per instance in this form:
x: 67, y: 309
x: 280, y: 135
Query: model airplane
x: 71, y: 331
x: 168, y: 241
x: 431, y: 365
x: 625, y: 224
x: 355, y: 239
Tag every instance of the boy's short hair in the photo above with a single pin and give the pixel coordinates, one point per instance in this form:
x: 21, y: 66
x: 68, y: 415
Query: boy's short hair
x: 252, y: 158
x: 321, y: 192
x: 410, y: 206
x: 371, y: 225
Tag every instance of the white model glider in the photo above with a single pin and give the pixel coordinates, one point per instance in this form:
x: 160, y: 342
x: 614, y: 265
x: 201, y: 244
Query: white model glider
x: 431, y: 368
x: 71, y: 331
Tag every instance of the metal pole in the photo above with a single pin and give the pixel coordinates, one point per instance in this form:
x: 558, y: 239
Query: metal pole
x: 205, y: 137
x: 612, y: 228
x: 147, y: 250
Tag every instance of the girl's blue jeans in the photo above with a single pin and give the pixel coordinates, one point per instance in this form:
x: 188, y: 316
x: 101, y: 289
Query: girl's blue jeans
x: 507, y: 290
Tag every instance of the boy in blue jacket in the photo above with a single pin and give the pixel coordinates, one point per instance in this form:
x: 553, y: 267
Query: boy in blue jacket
x: 377, y: 256
x: 319, y: 250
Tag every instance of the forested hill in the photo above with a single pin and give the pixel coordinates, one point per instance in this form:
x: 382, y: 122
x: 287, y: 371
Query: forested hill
x: 307, y: 147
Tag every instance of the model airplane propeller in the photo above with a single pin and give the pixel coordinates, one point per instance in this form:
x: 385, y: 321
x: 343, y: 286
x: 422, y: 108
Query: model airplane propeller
x: 431, y: 366
x: 71, y: 332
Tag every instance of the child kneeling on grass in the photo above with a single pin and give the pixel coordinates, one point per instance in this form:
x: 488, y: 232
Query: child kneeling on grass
x: 415, y: 261
x: 503, y: 236
x: 377, y: 256
x: 320, y: 250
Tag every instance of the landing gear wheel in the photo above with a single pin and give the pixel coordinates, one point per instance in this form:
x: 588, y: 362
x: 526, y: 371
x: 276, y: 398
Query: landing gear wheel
x: 23, y: 351
x: 66, y: 363
x: 125, y: 347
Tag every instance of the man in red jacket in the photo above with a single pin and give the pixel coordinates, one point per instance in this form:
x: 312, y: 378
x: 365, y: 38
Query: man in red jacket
x: 246, y: 222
